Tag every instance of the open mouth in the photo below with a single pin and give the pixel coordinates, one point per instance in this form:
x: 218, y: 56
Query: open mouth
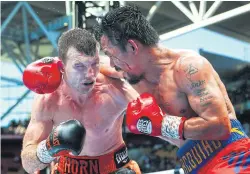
x: 88, y: 83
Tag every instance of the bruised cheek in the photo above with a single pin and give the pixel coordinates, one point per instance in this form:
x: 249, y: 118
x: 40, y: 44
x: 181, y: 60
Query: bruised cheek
x: 75, y: 78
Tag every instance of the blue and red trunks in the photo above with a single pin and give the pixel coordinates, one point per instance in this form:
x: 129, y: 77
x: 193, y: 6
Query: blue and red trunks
x: 231, y: 156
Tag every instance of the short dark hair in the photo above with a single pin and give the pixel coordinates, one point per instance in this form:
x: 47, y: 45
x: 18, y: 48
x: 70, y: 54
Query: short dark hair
x: 127, y: 22
x: 78, y: 38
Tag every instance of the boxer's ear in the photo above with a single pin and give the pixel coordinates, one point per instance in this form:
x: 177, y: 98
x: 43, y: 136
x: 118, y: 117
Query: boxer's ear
x: 132, y: 45
x: 61, y: 66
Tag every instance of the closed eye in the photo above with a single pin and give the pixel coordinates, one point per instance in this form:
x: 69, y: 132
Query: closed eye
x: 108, y: 54
x: 78, y: 65
x: 95, y: 64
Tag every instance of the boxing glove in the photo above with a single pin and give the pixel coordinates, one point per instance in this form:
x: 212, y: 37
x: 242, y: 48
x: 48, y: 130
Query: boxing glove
x: 144, y: 116
x: 44, y: 75
x: 66, y: 138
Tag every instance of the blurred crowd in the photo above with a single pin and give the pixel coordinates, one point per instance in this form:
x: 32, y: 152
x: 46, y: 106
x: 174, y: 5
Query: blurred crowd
x: 156, y: 157
x: 237, y: 85
x: 16, y: 127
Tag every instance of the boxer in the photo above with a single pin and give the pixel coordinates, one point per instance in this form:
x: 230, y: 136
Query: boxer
x: 182, y: 97
x: 77, y: 115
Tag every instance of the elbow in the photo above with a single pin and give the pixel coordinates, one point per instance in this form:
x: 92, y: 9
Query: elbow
x: 224, y: 129
x: 225, y: 134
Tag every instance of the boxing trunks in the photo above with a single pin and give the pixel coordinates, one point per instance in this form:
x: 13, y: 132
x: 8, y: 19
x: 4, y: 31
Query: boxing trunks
x: 231, y: 156
x: 104, y: 164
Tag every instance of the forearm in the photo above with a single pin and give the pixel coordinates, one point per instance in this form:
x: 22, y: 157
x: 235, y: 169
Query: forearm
x: 30, y: 161
x: 110, y: 72
x: 198, y: 128
x: 195, y: 128
x: 130, y: 93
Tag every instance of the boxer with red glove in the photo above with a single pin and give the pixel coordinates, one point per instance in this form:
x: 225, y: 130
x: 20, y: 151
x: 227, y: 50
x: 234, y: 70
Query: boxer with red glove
x: 67, y: 137
x: 44, y: 75
x: 144, y: 116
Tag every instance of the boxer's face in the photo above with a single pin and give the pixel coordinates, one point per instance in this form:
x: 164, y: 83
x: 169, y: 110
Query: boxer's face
x: 123, y: 61
x: 81, y: 70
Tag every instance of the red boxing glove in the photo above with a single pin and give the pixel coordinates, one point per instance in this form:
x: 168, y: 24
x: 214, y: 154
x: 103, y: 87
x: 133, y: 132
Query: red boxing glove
x: 144, y: 116
x: 43, y: 76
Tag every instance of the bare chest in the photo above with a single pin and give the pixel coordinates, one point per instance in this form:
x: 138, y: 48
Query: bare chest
x: 171, y: 99
x: 97, y: 114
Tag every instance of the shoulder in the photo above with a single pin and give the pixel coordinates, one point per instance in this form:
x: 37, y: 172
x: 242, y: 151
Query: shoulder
x: 44, y: 105
x: 109, y: 83
x: 47, y: 100
x: 190, y: 66
x: 190, y: 60
x: 185, y: 57
x: 117, y: 84
x: 185, y: 51
x: 101, y: 78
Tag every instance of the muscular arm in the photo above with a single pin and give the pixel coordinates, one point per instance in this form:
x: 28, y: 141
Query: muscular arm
x: 122, y: 92
x: 195, y: 78
x: 38, y: 129
x: 107, y: 70
x: 128, y: 93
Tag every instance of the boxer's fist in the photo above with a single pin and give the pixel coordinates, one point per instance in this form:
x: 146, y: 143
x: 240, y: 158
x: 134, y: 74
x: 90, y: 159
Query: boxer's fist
x: 144, y: 116
x: 44, y: 75
x: 66, y: 138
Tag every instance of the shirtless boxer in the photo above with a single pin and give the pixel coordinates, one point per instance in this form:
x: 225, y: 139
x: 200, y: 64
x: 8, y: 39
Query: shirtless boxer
x: 79, y: 112
x: 182, y: 98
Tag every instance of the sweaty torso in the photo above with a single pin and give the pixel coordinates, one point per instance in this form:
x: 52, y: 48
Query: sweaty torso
x: 100, y: 114
x: 171, y: 98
